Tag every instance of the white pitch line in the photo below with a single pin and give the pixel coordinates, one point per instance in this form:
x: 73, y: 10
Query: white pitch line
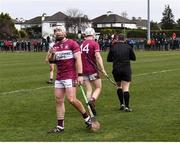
x: 156, y: 72
x: 151, y: 73
x: 137, y: 75
x: 24, y: 90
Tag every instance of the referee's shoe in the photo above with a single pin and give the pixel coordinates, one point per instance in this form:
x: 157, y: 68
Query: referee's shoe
x: 128, y: 109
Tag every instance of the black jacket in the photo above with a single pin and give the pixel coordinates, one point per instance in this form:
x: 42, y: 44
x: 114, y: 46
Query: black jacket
x: 121, y: 53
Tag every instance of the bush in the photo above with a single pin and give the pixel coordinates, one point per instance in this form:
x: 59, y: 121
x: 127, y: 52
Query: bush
x: 136, y: 33
x: 108, y: 31
x: 22, y: 34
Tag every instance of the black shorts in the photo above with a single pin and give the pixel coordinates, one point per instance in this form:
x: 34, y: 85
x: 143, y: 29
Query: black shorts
x: 52, y: 62
x: 122, y: 74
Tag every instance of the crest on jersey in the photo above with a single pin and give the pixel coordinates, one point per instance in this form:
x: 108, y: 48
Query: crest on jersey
x: 61, y: 46
x: 66, y: 47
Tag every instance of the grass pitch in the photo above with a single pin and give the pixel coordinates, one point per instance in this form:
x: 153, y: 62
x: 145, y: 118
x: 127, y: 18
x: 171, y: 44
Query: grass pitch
x: 27, y: 107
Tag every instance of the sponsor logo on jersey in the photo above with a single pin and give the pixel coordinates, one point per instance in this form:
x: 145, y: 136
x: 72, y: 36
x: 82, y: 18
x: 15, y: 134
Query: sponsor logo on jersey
x: 64, y: 55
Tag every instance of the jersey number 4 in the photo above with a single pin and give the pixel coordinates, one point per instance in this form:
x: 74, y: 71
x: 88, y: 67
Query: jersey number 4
x: 85, y: 48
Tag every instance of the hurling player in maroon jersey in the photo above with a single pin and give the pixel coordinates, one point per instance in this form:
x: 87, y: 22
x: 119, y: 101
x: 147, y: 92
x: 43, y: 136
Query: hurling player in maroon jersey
x: 67, y: 56
x: 90, y: 52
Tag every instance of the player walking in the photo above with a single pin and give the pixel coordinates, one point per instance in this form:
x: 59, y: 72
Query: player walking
x: 67, y: 55
x: 121, y: 54
x: 90, y: 57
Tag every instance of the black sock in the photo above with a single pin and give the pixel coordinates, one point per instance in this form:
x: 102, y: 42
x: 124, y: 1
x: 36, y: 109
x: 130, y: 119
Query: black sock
x: 85, y: 115
x: 120, y: 96
x: 61, y: 123
x: 126, y: 98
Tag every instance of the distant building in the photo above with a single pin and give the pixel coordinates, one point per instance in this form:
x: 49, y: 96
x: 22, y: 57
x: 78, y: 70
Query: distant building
x: 140, y: 23
x: 18, y: 23
x: 109, y: 20
x: 48, y: 23
x: 113, y: 21
x: 36, y: 21
x: 59, y: 18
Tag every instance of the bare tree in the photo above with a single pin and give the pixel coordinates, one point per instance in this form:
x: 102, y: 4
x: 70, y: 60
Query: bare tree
x: 75, y: 19
x: 74, y: 13
x: 124, y: 14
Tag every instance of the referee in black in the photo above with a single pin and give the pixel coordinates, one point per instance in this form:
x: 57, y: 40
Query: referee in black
x: 120, y: 54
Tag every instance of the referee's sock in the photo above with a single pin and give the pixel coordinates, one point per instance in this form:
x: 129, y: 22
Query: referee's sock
x: 120, y: 96
x: 126, y: 98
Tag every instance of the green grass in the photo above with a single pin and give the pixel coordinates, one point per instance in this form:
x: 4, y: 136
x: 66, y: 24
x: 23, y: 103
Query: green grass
x: 27, y: 108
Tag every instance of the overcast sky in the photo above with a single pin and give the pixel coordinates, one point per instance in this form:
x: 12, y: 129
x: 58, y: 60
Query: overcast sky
x: 28, y: 9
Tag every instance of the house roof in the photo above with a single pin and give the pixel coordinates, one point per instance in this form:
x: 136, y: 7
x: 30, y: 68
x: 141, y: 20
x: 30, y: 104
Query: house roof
x: 18, y: 21
x: 112, y: 18
x: 59, y: 16
x: 15, y: 21
x: 35, y: 20
x: 140, y: 22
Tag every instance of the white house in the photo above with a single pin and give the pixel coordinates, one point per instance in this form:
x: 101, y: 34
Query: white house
x: 18, y: 23
x: 113, y: 21
x: 48, y: 23
x: 140, y: 23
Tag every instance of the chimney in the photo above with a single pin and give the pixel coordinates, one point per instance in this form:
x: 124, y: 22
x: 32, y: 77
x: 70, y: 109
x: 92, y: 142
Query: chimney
x: 108, y: 13
x: 43, y: 17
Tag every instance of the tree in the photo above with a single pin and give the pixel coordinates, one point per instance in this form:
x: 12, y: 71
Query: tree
x: 76, y: 20
x: 154, y: 26
x: 22, y: 33
x: 74, y: 13
x: 178, y: 24
x: 7, y: 28
x: 133, y: 18
x: 168, y: 18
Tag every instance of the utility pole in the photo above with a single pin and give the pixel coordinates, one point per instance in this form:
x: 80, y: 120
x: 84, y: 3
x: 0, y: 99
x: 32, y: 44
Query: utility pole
x: 148, y: 21
x: 42, y: 28
x: 124, y: 15
x: 79, y: 28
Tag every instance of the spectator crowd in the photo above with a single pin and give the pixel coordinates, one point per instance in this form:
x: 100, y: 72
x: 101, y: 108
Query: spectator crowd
x: 24, y: 45
x: 159, y: 42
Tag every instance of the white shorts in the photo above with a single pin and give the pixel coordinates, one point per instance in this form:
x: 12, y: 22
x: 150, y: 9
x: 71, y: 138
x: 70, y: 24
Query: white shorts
x: 91, y: 77
x: 65, y: 83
